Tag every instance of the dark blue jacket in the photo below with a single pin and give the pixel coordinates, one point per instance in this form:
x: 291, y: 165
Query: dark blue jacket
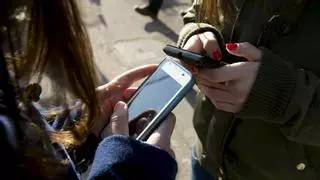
x: 117, y: 157
x: 120, y: 157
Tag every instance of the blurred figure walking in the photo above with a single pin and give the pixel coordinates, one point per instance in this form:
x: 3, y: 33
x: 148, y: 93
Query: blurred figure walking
x: 150, y: 9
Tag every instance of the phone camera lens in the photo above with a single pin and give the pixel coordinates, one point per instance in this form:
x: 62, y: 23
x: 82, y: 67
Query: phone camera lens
x: 182, y: 74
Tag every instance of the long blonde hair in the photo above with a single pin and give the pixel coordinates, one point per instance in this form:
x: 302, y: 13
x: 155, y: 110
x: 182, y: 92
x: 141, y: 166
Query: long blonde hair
x: 215, y: 12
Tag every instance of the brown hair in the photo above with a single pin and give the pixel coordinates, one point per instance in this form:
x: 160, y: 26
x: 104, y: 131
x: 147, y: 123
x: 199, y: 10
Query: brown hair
x: 58, y: 44
x: 57, y: 41
x: 215, y: 12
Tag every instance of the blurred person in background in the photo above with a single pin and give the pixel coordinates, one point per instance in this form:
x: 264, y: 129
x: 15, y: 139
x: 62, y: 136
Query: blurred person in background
x: 35, y: 145
x: 150, y: 9
x: 189, y: 15
x: 259, y: 118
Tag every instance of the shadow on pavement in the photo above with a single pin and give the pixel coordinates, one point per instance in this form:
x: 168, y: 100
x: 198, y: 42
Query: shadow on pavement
x: 99, y: 21
x: 167, y: 4
x: 96, y: 2
x: 158, y: 26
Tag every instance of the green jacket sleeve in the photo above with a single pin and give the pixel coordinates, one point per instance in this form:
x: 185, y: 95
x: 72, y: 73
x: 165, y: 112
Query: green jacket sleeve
x: 191, y: 29
x: 286, y: 96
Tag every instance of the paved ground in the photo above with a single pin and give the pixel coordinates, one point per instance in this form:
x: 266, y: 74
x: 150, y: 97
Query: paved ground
x: 123, y: 39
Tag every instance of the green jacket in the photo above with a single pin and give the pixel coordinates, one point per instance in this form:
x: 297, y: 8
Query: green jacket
x: 276, y: 136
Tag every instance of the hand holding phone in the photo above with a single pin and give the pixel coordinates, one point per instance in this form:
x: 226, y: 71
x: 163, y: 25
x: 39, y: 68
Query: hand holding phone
x: 191, y: 58
x: 161, y: 137
x: 199, y: 60
x: 158, y: 95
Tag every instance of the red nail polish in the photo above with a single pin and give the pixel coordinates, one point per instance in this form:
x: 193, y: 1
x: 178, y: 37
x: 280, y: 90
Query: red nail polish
x: 216, y: 55
x: 194, y: 70
x: 232, y: 46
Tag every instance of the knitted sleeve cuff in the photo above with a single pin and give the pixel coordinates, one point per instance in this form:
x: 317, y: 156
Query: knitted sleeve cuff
x: 196, y: 28
x: 272, y: 90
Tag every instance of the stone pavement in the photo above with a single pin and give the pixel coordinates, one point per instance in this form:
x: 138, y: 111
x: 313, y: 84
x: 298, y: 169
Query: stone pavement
x: 122, y: 39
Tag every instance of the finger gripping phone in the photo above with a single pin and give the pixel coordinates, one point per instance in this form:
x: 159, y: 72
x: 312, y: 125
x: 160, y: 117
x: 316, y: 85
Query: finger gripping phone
x: 191, y: 58
x: 158, y: 95
x: 202, y: 61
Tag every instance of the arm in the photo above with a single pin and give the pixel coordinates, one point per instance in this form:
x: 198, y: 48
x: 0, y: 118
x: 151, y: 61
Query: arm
x: 282, y: 94
x: 120, y: 157
x: 286, y: 96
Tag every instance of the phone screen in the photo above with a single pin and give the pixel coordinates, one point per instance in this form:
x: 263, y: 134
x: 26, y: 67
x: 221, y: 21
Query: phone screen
x: 163, y: 85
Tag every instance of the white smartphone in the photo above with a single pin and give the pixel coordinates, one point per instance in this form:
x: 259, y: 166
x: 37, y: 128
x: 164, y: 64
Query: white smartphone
x: 159, y: 94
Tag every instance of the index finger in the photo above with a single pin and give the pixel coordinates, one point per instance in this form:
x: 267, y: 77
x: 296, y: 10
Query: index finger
x: 136, y: 74
x: 126, y: 79
x: 225, y: 73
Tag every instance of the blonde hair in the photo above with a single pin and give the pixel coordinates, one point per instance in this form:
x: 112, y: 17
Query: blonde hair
x: 215, y: 12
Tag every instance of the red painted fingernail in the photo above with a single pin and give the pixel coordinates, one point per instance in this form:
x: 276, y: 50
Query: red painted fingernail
x: 216, y: 55
x: 194, y: 70
x: 232, y: 46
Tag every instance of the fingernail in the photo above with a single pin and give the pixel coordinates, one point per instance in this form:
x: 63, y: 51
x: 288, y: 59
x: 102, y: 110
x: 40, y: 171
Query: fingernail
x: 216, y: 55
x: 119, y: 106
x: 194, y: 70
x: 232, y: 46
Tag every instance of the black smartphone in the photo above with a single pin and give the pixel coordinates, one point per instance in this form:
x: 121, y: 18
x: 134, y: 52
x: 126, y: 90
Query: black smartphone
x: 195, y: 59
x: 158, y: 95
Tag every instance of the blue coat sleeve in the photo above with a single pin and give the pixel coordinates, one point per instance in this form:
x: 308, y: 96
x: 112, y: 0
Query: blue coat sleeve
x: 122, y: 158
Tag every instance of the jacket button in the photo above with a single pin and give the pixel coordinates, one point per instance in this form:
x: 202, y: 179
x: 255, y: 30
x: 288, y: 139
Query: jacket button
x: 204, y: 98
x: 301, y: 166
x: 221, y: 171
